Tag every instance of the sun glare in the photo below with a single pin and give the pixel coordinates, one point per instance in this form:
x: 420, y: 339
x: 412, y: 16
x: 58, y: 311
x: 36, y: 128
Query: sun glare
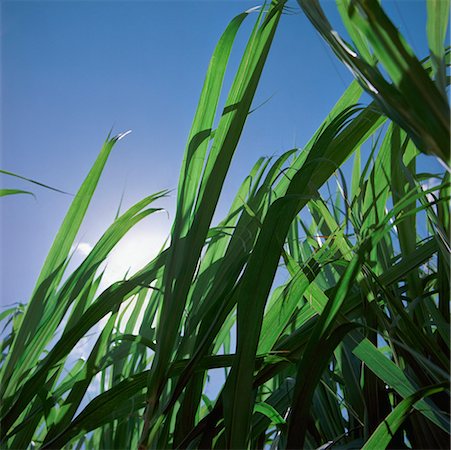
x: 133, y: 252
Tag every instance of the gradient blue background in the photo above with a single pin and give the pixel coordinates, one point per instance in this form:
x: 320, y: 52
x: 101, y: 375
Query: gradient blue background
x: 71, y: 71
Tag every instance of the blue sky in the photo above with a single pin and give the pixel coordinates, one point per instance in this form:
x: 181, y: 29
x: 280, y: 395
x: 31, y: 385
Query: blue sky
x: 71, y: 71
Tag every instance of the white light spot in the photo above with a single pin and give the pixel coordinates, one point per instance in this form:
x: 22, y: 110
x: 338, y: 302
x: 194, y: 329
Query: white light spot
x: 133, y: 252
x: 84, y: 248
x: 343, y: 44
x: 253, y: 9
x: 430, y: 184
x: 122, y: 135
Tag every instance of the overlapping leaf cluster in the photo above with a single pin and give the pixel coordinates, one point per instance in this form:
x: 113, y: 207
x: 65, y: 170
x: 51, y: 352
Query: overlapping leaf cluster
x: 350, y: 351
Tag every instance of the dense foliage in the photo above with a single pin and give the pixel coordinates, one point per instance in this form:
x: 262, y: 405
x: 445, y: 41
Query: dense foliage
x: 352, y: 351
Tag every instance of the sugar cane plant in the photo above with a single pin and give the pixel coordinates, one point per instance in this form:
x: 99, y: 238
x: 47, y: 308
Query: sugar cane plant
x: 350, y: 351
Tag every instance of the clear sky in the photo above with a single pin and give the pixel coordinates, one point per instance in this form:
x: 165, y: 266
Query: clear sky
x: 72, y: 70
